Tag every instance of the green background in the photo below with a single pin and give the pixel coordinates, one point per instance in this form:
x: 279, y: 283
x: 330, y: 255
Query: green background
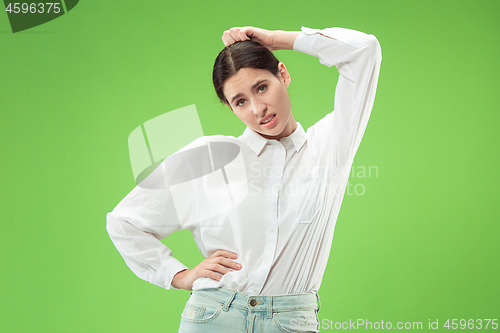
x: 421, y: 243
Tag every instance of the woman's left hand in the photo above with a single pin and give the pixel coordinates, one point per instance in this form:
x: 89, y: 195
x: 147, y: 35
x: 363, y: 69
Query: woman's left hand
x: 236, y: 34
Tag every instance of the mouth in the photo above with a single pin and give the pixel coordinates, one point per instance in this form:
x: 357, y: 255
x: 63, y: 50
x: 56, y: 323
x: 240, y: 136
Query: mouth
x: 269, y: 121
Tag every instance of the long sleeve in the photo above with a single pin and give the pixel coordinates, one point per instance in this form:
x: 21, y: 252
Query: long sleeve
x: 136, y: 225
x: 357, y: 57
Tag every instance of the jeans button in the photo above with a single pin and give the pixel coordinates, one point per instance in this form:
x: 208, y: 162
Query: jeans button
x: 253, y: 302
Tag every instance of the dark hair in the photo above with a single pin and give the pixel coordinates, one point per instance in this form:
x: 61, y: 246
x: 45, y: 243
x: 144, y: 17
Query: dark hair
x: 232, y: 58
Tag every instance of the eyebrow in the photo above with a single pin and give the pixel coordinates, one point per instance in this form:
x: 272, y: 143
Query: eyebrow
x: 253, y: 87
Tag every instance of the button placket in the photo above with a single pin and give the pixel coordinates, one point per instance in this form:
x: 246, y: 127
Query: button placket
x: 272, y: 189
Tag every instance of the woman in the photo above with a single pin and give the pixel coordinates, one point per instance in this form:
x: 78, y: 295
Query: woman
x: 262, y: 207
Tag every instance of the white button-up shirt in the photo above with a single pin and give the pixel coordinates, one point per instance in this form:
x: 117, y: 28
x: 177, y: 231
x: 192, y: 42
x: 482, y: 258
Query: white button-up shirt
x: 275, y: 203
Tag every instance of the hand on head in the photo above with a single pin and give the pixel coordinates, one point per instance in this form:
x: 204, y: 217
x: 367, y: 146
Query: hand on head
x: 237, y: 34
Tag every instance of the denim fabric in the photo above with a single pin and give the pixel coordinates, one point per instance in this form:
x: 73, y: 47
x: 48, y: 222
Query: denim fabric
x: 225, y: 310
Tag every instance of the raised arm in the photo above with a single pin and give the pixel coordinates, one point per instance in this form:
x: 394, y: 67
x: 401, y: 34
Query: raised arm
x: 357, y: 57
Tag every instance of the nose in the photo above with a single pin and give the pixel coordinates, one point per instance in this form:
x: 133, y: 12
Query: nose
x: 258, y: 108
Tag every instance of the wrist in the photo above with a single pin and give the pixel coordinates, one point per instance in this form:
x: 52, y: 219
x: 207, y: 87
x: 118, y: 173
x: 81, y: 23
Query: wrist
x: 284, y: 40
x: 178, y: 279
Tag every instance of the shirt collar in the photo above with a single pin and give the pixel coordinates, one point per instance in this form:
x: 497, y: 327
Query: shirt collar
x: 257, y: 141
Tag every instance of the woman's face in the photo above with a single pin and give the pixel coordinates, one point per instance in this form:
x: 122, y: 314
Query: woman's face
x: 256, y: 95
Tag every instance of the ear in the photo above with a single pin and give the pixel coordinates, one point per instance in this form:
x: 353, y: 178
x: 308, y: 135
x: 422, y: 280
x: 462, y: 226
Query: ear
x: 284, y: 74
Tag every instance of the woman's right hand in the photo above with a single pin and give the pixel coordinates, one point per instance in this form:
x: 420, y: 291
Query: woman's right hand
x: 219, y: 262
x: 273, y: 40
x: 236, y: 34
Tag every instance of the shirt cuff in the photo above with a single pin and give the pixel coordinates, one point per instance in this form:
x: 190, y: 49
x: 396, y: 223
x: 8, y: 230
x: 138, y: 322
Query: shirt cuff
x: 171, y: 267
x: 305, y: 40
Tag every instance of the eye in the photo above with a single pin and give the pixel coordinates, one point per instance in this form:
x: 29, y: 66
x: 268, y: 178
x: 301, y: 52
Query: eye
x: 263, y: 88
x: 240, y: 102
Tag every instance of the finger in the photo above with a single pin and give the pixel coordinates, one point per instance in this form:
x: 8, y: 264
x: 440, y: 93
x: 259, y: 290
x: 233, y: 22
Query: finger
x: 215, y: 267
x: 233, y: 32
x: 224, y: 41
x: 211, y: 274
x: 242, y: 34
x: 229, y: 39
x: 249, y: 31
x: 224, y: 253
x: 228, y: 263
x: 233, y: 35
x: 224, y: 38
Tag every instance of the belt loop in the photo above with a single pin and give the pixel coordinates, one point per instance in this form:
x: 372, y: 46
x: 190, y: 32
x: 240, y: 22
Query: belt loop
x: 319, y: 303
x: 228, y: 301
x: 269, y: 307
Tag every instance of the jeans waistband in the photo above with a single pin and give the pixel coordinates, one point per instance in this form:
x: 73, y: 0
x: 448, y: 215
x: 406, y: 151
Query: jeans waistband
x: 269, y: 304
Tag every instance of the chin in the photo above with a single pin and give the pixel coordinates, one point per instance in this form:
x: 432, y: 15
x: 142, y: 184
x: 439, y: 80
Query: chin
x: 273, y: 132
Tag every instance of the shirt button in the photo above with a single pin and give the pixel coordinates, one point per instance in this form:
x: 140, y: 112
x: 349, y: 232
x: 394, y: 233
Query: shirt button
x: 253, y: 302
x: 271, y: 230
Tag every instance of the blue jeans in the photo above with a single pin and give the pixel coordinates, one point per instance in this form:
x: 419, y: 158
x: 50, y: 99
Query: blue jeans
x: 225, y: 310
